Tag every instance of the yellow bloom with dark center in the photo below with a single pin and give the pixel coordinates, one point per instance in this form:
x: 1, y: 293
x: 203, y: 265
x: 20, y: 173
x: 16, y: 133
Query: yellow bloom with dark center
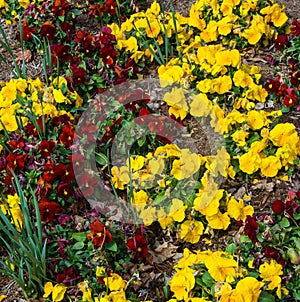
x: 237, y: 209
x: 191, y: 230
x: 221, y: 266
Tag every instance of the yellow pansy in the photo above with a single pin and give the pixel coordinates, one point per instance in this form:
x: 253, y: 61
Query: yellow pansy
x: 242, y: 79
x: 270, y: 166
x: 284, y: 133
x: 250, y: 162
x: 156, y: 166
x: 270, y: 272
x: 86, y: 290
x: 59, y: 97
x: 170, y: 74
x: 200, y: 106
x: 130, y: 45
x: 153, y: 29
x: 210, y: 33
x: 115, y: 282
x: 219, y: 221
x: 120, y: 177
x: 205, y: 86
x: 256, y: 92
x: 256, y: 119
x: 177, y: 210
x: 188, y: 164
x: 148, y: 215
x: 136, y: 163
x: 176, y: 100
x: 168, y: 150
x: 221, y: 266
x: 182, y: 283
x: 249, y: 289
x: 238, y: 210
x: 58, y: 291
x: 275, y: 14
x: 222, y: 84
x: 3, y: 4
x: 9, y: 121
x: 194, y: 19
x: 140, y: 197
x: 240, y: 137
x: 191, y: 231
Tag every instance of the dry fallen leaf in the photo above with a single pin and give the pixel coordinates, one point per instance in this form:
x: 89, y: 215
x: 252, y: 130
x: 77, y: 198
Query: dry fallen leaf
x: 163, y: 252
x: 27, y: 56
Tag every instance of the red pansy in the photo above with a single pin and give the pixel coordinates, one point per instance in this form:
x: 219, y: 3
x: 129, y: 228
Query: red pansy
x: 290, y: 98
x: 46, y: 147
x: 48, y: 209
x: 295, y: 29
x: 138, y: 246
x: 60, y: 7
x: 251, y: 228
x: 66, y: 137
x: 79, y: 74
x: 64, y: 190
x: 87, y: 184
x: 99, y: 233
x: 48, y: 30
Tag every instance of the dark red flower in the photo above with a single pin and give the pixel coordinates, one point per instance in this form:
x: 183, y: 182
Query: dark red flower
x: 295, y: 78
x: 99, y: 233
x: 31, y: 129
x: 48, y: 30
x: 110, y: 7
x: 43, y: 187
x: 66, y: 137
x: 60, y: 7
x: 87, y: 184
x: 46, y: 147
x: 281, y: 41
x: 68, y: 28
x: 278, y: 207
x: 272, y: 85
x: 138, y: 246
x: 48, y: 209
x: 290, y: 98
x: 49, y: 171
x: 96, y: 10
x: 251, y: 228
x: 67, y: 276
x: 295, y: 29
x: 64, y: 191
x: 27, y: 32
x: 61, y: 52
x: 271, y: 253
x: 79, y: 74
x: 18, y: 143
x: 61, y: 250
x: 86, y: 40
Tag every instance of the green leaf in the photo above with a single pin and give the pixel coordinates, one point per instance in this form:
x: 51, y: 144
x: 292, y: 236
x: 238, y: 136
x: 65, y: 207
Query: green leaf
x: 296, y: 295
x: 244, y: 238
x: 284, y: 222
x: 79, y: 236
x: 75, y: 11
x: 266, y: 297
x: 111, y: 246
x: 231, y: 248
x: 207, y: 279
x: 78, y: 245
x: 101, y: 159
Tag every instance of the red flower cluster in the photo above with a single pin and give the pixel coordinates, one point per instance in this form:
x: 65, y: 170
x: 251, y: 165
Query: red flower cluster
x: 287, y: 208
x: 251, y: 228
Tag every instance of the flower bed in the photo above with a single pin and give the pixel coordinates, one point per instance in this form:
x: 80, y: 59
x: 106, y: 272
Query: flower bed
x: 90, y: 166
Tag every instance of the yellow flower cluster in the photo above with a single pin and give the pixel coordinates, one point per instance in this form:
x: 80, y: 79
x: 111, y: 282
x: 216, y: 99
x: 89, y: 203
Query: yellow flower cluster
x: 19, y: 95
x: 232, y: 282
x: 149, y: 175
x: 12, y: 209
